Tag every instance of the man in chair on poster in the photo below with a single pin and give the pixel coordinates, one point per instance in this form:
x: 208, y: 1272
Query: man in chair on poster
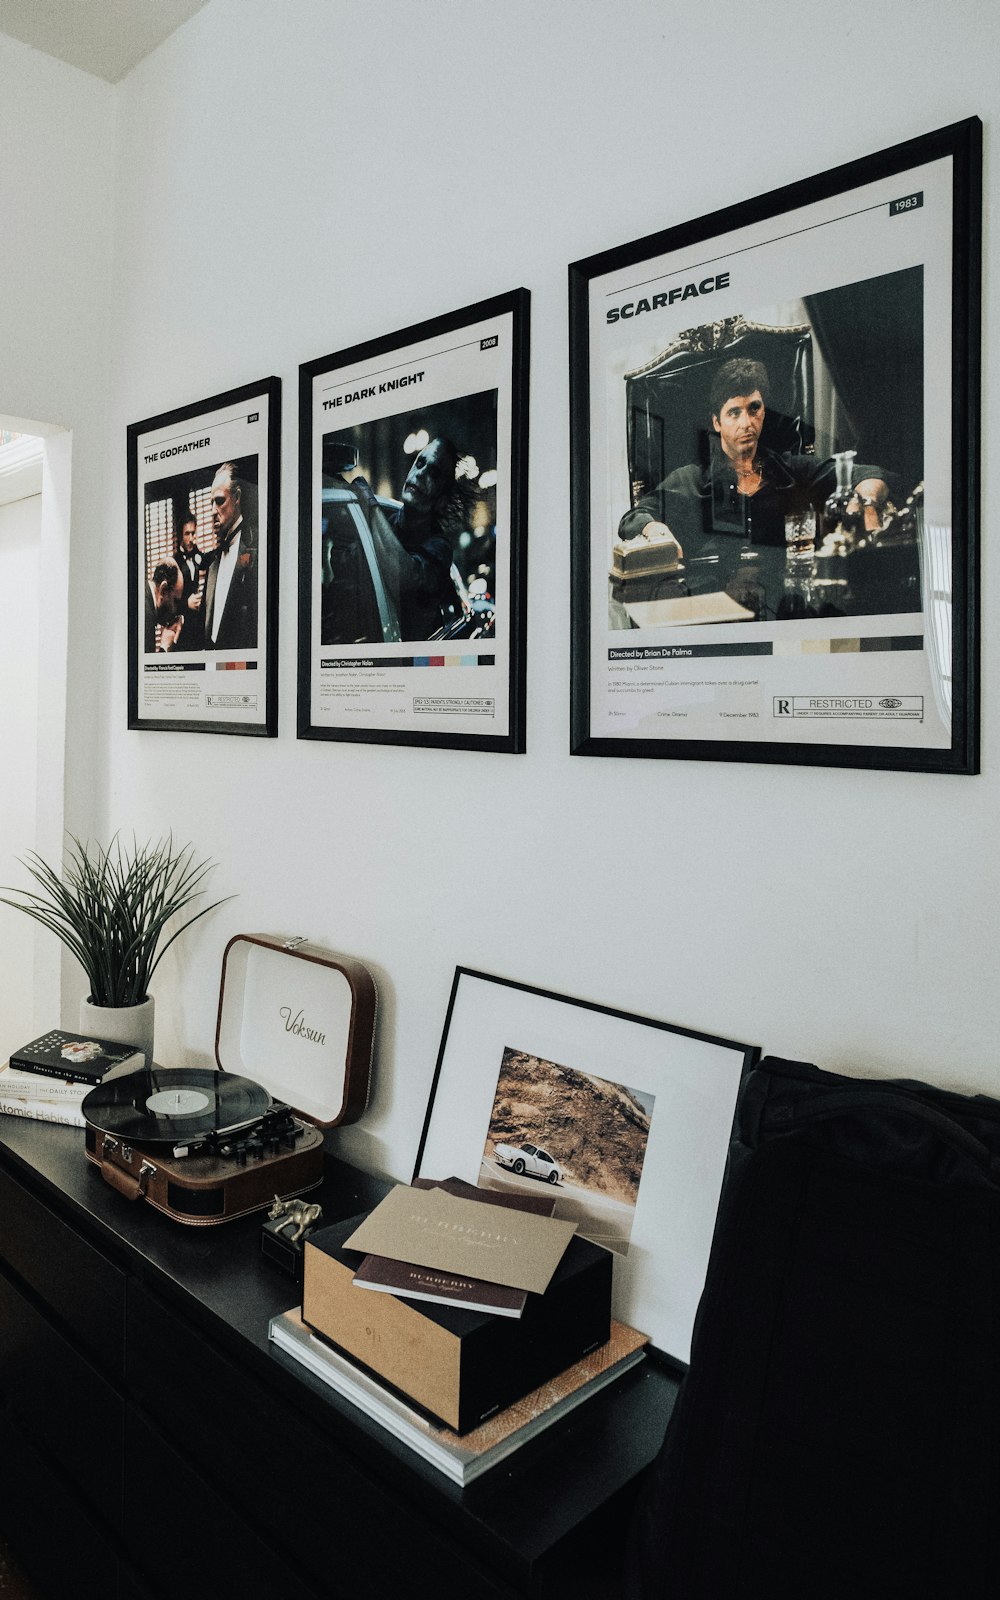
x: 729, y: 517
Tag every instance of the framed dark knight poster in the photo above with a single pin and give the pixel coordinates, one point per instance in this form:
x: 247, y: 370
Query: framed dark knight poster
x: 413, y: 534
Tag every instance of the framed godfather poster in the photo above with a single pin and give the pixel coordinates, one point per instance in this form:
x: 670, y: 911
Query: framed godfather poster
x: 775, y: 474
x: 412, y: 534
x: 203, y: 487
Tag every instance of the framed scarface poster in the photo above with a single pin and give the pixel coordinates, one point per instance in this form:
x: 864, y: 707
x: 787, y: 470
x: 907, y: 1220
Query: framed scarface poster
x: 203, y: 487
x: 413, y: 534
x: 774, y: 417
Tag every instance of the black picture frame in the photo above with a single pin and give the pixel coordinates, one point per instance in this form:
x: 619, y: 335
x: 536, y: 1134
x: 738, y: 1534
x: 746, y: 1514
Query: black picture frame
x: 378, y: 601
x: 174, y: 460
x: 890, y: 243
x: 575, y: 1061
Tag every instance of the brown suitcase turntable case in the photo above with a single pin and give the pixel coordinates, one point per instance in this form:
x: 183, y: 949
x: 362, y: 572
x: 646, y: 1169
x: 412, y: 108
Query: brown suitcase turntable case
x: 298, y: 1022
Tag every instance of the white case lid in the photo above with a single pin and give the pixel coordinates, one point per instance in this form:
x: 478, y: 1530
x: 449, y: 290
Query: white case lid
x: 287, y: 1018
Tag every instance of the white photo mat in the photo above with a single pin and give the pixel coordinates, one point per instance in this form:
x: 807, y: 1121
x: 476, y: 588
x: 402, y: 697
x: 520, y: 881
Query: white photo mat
x: 694, y: 1081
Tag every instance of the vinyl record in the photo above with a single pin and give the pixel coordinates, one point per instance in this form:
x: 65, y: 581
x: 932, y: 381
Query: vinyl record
x: 174, y: 1105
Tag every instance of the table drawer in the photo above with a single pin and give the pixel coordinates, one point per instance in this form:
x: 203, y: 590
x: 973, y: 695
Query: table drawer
x: 61, y: 1547
x: 132, y: 1588
x: 84, y: 1289
x: 322, y: 1500
x: 73, y: 1414
x: 188, y: 1538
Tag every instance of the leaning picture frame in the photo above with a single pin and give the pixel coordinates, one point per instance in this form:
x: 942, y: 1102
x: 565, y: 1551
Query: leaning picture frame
x: 786, y: 571
x: 203, y: 518
x: 624, y: 1120
x: 413, y: 452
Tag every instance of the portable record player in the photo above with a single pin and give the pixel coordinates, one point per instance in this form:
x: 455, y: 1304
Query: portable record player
x: 294, y: 1043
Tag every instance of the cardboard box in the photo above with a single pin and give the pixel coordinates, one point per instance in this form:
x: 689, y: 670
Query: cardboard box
x: 460, y: 1366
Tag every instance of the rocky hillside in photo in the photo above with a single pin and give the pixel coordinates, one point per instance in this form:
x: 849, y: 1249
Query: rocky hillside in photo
x: 596, y: 1130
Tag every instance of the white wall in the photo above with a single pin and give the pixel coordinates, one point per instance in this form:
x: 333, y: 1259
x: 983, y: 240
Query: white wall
x: 20, y: 539
x: 56, y: 227
x: 292, y: 179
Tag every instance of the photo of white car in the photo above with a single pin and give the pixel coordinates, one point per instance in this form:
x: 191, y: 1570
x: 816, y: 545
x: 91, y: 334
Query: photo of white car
x: 528, y: 1159
x: 599, y: 1128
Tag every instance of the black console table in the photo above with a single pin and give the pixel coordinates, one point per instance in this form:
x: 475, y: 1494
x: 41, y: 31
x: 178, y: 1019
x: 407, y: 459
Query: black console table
x: 155, y: 1445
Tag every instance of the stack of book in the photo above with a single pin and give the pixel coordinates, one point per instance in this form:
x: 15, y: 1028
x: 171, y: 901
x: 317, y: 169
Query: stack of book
x: 48, y: 1079
x: 463, y: 1371
x: 462, y: 1457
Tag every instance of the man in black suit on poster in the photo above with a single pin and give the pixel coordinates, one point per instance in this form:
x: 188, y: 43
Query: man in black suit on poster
x: 193, y: 563
x: 163, y: 596
x: 728, y: 517
x: 230, y: 602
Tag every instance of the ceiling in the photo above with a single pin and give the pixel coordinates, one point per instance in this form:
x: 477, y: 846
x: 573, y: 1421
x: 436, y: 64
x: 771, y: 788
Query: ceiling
x: 104, y: 37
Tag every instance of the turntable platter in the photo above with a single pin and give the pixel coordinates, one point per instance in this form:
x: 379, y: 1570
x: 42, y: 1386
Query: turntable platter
x: 164, y: 1105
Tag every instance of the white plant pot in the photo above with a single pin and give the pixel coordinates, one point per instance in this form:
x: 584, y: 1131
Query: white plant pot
x: 121, y: 1024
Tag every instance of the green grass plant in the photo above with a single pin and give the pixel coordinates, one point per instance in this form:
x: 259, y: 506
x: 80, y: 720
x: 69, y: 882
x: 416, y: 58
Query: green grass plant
x: 111, y: 907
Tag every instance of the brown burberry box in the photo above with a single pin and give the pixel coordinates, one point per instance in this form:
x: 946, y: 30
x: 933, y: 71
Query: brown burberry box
x: 461, y: 1366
